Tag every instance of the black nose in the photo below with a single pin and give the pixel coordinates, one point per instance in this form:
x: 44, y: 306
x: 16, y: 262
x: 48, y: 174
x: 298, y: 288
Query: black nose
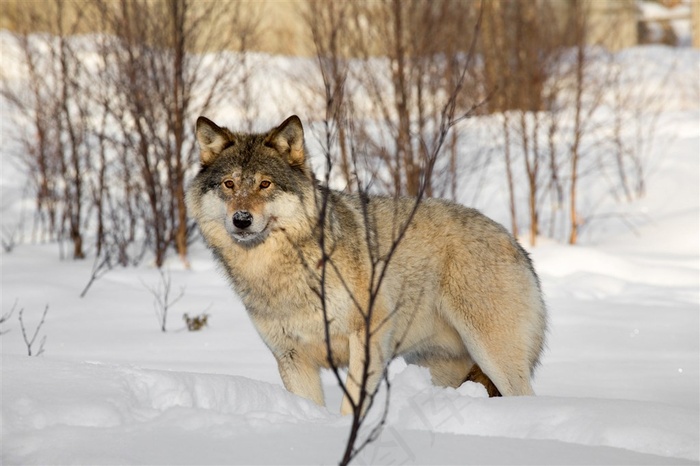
x: 242, y: 219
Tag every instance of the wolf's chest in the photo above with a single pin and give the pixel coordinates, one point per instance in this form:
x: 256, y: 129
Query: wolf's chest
x: 275, y: 285
x: 289, y: 307
x: 294, y: 298
x: 281, y: 288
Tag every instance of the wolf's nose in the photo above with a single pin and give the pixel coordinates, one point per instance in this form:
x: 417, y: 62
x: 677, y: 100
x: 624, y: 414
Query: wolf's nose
x: 242, y: 219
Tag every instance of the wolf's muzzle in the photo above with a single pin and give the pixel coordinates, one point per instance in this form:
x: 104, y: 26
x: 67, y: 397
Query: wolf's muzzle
x: 242, y: 219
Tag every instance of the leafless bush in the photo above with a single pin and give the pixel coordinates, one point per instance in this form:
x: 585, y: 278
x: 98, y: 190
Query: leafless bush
x: 103, y: 263
x: 390, y: 67
x: 162, y: 299
x: 14, y: 223
x: 112, y: 132
x: 524, y: 48
x: 36, y: 106
x: 635, y: 114
x: 10, y: 236
x: 164, y: 85
x: 553, y: 85
x: 30, y: 341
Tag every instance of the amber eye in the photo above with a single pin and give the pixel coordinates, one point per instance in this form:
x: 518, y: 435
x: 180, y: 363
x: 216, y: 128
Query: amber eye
x: 229, y: 184
x: 264, y: 184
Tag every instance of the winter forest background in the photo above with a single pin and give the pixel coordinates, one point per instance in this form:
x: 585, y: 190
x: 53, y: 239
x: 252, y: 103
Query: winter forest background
x: 583, y: 146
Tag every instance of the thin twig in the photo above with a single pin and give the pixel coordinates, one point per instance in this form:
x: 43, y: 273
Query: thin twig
x: 30, y: 342
x: 5, y: 317
x: 161, y: 297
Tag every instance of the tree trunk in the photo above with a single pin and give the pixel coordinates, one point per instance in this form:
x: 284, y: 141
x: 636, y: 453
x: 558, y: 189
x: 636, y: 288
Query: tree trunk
x: 178, y: 10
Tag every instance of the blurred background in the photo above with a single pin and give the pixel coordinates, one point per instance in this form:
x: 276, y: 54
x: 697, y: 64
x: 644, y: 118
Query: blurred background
x: 558, y: 100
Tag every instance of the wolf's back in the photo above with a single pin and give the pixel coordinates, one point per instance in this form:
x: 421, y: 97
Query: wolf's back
x: 445, y: 253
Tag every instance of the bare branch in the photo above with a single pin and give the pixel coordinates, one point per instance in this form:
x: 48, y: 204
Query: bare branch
x: 379, y: 256
x: 6, y: 316
x: 30, y: 341
x: 162, y: 301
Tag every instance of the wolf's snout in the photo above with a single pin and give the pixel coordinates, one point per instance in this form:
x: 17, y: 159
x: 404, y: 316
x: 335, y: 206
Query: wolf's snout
x: 242, y: 219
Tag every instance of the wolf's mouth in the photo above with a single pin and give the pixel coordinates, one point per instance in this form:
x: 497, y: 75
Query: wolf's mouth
x: 244, y: 236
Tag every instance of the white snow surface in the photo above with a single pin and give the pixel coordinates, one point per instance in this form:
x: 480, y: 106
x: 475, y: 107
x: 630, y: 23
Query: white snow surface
x: 619, y: 382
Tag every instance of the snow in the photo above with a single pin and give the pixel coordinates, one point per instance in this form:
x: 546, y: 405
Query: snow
x: 58, y: 412
x: 619, y: 382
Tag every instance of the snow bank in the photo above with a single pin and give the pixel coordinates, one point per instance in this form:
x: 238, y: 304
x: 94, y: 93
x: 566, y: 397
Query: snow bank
x: 80, y: 413
x: 94, y: 409
x: 644, y: 427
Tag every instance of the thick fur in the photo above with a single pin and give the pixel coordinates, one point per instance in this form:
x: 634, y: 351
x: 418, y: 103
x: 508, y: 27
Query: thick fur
x: 459, y: 296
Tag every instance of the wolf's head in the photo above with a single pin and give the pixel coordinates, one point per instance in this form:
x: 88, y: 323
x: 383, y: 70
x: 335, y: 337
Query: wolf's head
x: 255, y: 184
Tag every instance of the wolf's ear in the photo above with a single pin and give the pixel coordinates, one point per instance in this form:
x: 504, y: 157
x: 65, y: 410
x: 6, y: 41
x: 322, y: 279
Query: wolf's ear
x: 288, y: 140
x: 212, y: 139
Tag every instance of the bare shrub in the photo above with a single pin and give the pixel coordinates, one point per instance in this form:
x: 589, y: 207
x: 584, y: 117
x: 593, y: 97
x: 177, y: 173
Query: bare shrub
x: 59, y: 111
x: 390, y: 67
x: 163, y: 85
x: 553, y: 83
x: 10, y: 236
x: 112, y: 133
x: 163, y: 301
x: 31, y: 351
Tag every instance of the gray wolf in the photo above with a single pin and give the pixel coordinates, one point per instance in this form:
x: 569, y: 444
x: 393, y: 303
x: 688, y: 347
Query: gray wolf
x: 459, y: 295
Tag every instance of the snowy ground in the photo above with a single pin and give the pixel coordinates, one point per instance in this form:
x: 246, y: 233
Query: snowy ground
x: 619, y: 383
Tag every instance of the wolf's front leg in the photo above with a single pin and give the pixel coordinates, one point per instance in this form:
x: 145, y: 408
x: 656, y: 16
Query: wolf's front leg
x: 355, y: 380
x: 300, y: 376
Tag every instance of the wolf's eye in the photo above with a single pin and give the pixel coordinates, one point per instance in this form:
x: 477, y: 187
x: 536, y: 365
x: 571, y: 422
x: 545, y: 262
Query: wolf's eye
x: 229, y: 184
x: 264, y: 184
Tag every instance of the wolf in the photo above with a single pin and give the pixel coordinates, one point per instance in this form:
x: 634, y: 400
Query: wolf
x: 356, y: 280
